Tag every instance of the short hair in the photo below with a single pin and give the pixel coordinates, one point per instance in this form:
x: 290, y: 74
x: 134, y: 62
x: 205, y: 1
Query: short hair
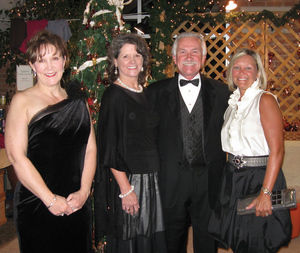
x: 42, y: 39
x: 188, y: 35
x: 262, y: 78
x: 114, y: 51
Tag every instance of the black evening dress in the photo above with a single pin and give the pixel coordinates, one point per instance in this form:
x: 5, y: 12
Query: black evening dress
x: 126, y: 142
x: 57, y: 140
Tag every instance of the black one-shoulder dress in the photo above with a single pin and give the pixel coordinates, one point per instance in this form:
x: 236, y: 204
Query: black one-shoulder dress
x: 57, y: 140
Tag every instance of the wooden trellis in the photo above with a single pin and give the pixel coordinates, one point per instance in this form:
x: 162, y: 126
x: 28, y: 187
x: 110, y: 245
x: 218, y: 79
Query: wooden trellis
x: 278, y: 47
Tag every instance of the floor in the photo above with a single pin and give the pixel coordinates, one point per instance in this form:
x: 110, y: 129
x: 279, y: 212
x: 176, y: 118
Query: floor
x: 9, y: 241
x: 294, y: 247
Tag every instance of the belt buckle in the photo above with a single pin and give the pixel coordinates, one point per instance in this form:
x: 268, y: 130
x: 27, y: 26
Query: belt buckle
x: 238, y: 161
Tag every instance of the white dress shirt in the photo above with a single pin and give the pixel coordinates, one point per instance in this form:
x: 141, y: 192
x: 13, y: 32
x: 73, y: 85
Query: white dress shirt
x: 189, y: 92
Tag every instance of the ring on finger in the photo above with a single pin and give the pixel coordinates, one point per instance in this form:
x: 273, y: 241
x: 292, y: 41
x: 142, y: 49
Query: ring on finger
x: 62, y: 214
x: 267, y: 214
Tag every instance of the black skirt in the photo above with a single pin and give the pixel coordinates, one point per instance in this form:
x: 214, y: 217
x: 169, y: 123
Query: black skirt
x: 248, y: 233
x: 143, y: 232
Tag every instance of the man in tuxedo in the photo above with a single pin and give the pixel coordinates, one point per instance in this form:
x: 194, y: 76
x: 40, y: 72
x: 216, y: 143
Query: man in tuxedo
x: 191, y: 109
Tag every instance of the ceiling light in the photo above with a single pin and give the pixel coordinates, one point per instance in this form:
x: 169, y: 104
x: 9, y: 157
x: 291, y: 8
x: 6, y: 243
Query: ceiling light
x: 231, y: 6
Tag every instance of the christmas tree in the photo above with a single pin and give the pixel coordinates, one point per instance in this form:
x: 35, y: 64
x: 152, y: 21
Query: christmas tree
x: 102, y: 21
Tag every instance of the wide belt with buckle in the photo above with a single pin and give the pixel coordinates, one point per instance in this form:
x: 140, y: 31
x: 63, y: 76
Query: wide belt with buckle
x: 247, y: 161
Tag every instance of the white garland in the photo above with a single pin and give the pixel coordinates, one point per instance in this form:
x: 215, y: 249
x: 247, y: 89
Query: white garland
x: 90, y: 63
x: 119, y: 5
x: 86, y: 12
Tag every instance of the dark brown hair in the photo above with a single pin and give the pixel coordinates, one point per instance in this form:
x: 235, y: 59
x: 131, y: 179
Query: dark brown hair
x: 114, y: 51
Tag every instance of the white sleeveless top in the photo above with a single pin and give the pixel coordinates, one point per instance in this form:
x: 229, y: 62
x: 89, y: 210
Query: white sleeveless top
x: 242, y: 133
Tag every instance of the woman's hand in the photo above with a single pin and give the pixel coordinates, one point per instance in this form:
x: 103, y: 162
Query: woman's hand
x: 262, y: 204
x: 76, y: 200
x: 130, y: 203
x: 59, y: 206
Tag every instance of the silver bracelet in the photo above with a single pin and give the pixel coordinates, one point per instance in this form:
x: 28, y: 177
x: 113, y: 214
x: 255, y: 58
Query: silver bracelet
x: 55, y: 197
x: 126, y: 194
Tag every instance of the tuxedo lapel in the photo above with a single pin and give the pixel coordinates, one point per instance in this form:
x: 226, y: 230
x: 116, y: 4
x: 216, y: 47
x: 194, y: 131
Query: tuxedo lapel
x: 208, y: 98
x: 172, y: 98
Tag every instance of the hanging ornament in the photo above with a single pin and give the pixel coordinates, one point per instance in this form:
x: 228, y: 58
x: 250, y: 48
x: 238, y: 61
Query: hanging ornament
x: 95, y: 107
x: 89, y: 56
x: 287, y: 91
x: 286, y: 124
x: 295, y: 126
x: 271, y: 55
x: 106, y: 82
x: 115, y: 31
x: 83, y: 87
x: 107, y: 45
x: 99, y: 78
x: 99, y: 24
x: 272, y: 85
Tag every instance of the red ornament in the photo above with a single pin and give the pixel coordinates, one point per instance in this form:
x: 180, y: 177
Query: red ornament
x: 271, y: 55
x: 90, y: 101
x: 286, y: 125
x: 99, y: 78
x: 89, y: 56
x: 272, y: 86
x: 106, y: 82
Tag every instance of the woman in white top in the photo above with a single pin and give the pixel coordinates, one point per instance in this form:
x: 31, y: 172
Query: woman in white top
x: 252, y: 135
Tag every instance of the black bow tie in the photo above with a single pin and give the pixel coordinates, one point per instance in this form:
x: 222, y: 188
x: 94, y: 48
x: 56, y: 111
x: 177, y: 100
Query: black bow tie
x: 185, y: 82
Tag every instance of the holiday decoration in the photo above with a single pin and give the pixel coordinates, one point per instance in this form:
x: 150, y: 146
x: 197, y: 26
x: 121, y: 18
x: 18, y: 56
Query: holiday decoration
x: 102, y: 21
x: 272, y: 86
x: 271, y: 55
x: 287, y: 91
x: 166, y: 16
x: 286, y: 124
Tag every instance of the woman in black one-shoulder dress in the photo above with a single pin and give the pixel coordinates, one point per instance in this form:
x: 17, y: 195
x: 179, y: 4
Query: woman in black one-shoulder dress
x: 51, y: 145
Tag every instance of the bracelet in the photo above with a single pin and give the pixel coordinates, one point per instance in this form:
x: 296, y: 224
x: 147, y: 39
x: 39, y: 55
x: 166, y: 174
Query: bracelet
x: 266, y: 191
x: 126, y: 194
x: 55, y: 197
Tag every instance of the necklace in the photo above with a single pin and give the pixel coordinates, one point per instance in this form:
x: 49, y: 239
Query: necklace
x: 129, y: 88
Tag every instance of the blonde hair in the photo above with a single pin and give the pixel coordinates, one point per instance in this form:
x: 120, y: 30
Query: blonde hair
x: 262, y: 78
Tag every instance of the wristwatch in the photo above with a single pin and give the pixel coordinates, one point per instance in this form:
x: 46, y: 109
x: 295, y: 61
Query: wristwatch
x: 266, y: 191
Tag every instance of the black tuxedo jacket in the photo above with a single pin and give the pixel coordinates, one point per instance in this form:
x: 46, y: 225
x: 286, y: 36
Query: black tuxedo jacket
x: 165, y: 95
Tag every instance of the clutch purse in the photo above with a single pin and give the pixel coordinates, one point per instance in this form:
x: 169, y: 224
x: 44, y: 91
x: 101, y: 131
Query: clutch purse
x: 282, y: 199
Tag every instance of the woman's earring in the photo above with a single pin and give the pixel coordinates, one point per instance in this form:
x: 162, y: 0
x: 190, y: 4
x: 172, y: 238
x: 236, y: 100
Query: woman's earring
x: 34, y: 74
x: 116, y: 70
x: 142, y: 69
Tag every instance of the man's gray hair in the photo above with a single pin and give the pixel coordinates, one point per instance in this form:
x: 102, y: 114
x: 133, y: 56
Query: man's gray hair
x: 188, y: 35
